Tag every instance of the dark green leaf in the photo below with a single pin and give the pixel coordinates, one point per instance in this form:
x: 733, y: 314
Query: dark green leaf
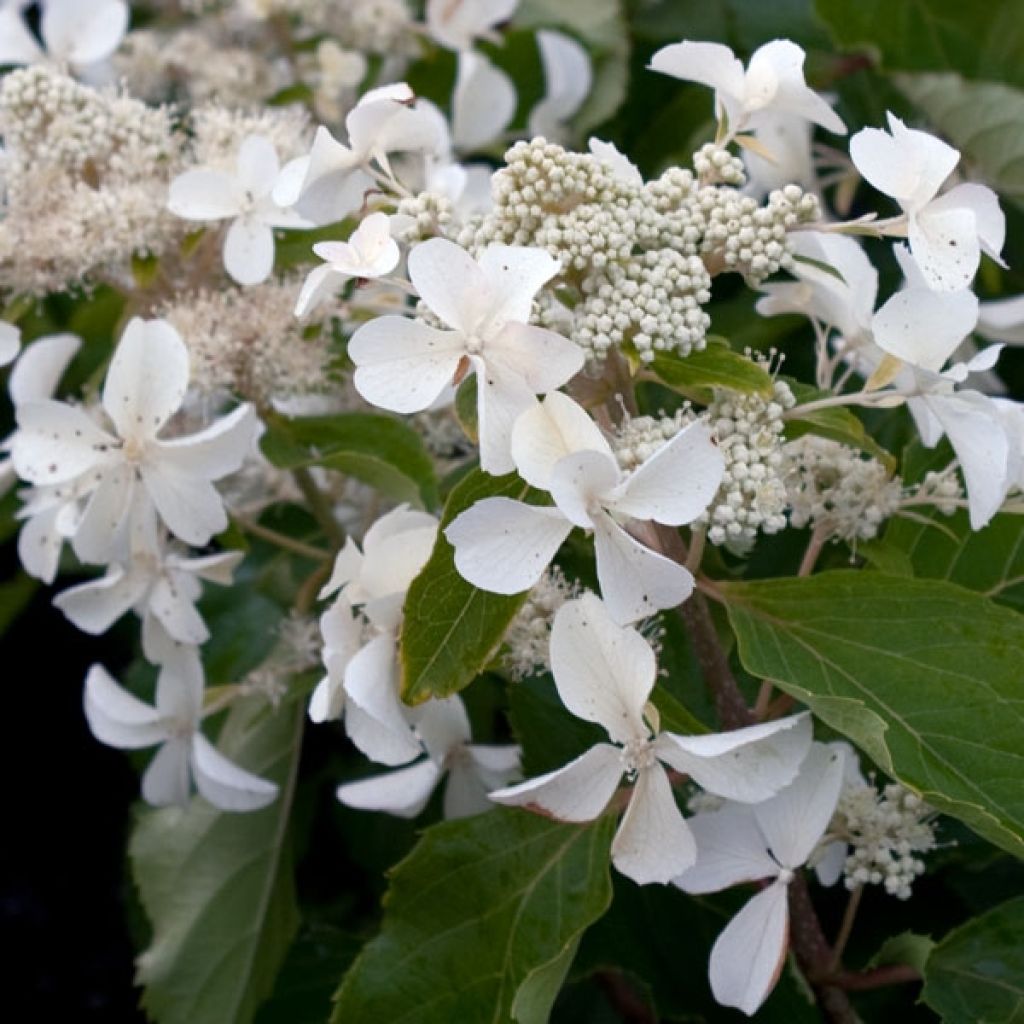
x: 975, y: 975
x: 465, y: 408
x: 450, y: 629
x: 923, y: 675
x: 480, y: 922
x: 218, y: 887
x: 380, y: 450
x: 905, y: 948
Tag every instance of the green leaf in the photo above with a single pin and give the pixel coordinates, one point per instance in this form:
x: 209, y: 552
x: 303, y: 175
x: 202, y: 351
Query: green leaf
x: 990, y: 561
x: 481, y: 920
x: 218, y: 887
x: 923, y: 675
x: 975, y: 975
x: 380, y: 450
x: 982, y: 119
x: 450, y: 629
x: 905, y: 948
x: 837, y: 424
x: 717, y: 366
x: 465, y: 408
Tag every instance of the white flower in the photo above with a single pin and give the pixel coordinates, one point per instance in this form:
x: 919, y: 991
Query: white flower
x: 362, y: 677
x: 1003, y: 320
x: 60, y: 445
x: 504, y: 546
x: 330, y: 182
x: 80, y: 32
x: 483, y: 103
x: 10, y: 342
x: 369, y: 252
x: 457, y: 23
x: 787, y: 138
x: 604, y: 674
x: 745, y: 844
x: 473, y: 770
x: 404, y: 365
x: 947, y: 234
x: 773, y: 81
x: 567, y: 78
x: 245, y: 199
x: 120, y: 719
x: 621, y: 166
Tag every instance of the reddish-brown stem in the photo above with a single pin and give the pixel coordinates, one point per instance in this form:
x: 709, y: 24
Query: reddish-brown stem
x: 849, y: 916
x: 877, y: 977
x: 814, y: 546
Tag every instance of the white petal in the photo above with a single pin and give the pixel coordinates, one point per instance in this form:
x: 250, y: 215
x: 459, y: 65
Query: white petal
x: 829, y: 865
x: 748, y: 956
x: 924, y: 327
x: 257, y: 166
x: 483, y: 103
x: 403, y: 793
x: 177, y: 613
x: 222, y: 783
x: 39, y: 545
x: 568, y: 78
x: 676, y: 483
x: 547, y: 432
x: 635, y: 581
x: 249, y: 250
x: 403, y: 365
x: 543, y: 359
x: 604, y: 672
x: 502, y: 397
x: 653, y: 843
x: 578, y: 792
x: 147, y: 379
x: 203, y: 194
x: 796, y: 818
x: 710, y: 64
x: 443, y: 726
x: 179, y: 686
x: 38, y: 372
x: 212, y: 568
x: 95, y: 606
x: 347, y: 566
x: 17, y: 44
x: 730, y: 850
x: 56, y: 442
x: 327, y: 701
x: 781, y: 62
x: 191, y: 508
x: 117, y: 717
x: 375, y: 720
x: 456, y: 24
x: 10, y: 346
x: 102, y: 531
x: 165, y: 782
x: 581, y: 482
x: 320, y: 282
x: 749, y: 765
x: 514, y: 275
x: 212, y: 453
x: 945, y: 246
x: 504, y: 546
x: 450, y: 282
x: 1002, y: 320
x: 990, y: 221
x: 83, y: 33
x: 465, y: 792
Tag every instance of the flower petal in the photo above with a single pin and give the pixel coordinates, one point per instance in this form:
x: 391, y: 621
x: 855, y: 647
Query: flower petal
x: 635, y: 581
x: 748, y: 765
x: 924, y: 327
x: 56, y: 442
x: 583, y: 481
x: 747, y: 958
x: 95, y: 606
x: 177, y: 613
x: 212, y: 453
x: 166, y: 782
x: 38, y: 372
x: 710, y: 64
x: 403, y: 793
x: 568, y: 78
x: 676, y: 483
x: 191, y: 508
x: 249, y: 250
x: 450, y: 282
x: 223, y: 784
x: 514, y: 275
x: 604, y: 672
x: 578, y: 792
x: 730, y: 850
x: 653, y: 843
x: 117, y: 717
x: 147, y: 379
x: 103, y: 530
x: 990, y: 221
x: 504, y: 546
x: 83, y: 33
x: 202, y: 194
x: 483, y: 103
x: 443, y: 726
x: 944, y: 244
x: 543, y: 359
x: 403, y: 365
x: 502, y: 396
x: 257, y: 165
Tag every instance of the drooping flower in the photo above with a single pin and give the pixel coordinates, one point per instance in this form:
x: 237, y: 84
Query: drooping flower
x: 504, y: 546
x: 404, y: 365
x: 186, y: 756
x: 773, y: 839
x: 773, y: 81
x: 473, y: 769
x: 244, y: 198
x: 369, y: 252
x: 58, y: 445
x: 483, y: 102
x: 947, y: 233
x: 567, y: 79
x: 604, y: 673
x: 455, y: 24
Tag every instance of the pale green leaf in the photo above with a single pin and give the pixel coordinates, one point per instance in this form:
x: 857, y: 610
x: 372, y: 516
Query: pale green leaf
x: 717, y: 366
x: 923, y: 675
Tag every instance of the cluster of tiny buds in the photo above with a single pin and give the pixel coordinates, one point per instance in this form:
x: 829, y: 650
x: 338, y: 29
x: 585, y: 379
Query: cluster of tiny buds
x: 297, y: 650
x: 941, y: 489
x: 886, y: 832
x: 639, y: 437
x: 422, y: 216
x: 715, y: 165
x: 528, y: 639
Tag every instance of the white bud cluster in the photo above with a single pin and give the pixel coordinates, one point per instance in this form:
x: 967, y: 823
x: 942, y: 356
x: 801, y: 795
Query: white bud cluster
x: 679, y: 221
x: 639, y: 437
x: 422, y: 216
x: 752, y: 239
x: 528, y: 639
x: 85, y: 174
x: 752, y: 498
x: 886, y: 832
x: 654, y: 301
x: 219, y: 131
x: 247, y: 343
x: 942, y: 489
x: 717, y: 166
x: 373, y: 26
x: 835, y: 489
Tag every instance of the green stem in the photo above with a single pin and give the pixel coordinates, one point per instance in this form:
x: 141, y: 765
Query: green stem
x: 281, y: 540
x: 320, y: 506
